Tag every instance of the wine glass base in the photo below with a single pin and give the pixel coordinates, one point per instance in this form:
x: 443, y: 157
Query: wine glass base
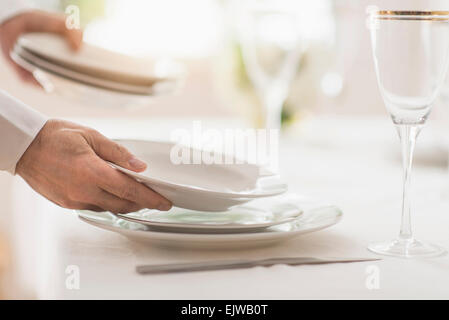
x: 410, y: 248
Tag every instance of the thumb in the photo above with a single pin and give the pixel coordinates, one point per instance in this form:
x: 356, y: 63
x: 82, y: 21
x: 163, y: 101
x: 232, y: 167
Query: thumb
x: 114, y: 152
x: 74, y: 38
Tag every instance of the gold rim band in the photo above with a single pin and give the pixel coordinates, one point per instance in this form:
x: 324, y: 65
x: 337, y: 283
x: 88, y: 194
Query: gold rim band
x: 411, y: 15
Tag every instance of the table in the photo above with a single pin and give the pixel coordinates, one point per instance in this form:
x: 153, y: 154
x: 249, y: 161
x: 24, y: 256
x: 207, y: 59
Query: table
x: 350, y: 162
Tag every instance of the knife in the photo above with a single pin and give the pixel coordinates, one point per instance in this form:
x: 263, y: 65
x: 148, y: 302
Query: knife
x: 238, y: 264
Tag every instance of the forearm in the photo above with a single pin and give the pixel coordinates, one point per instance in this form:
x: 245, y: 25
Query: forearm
x: 19, y: 125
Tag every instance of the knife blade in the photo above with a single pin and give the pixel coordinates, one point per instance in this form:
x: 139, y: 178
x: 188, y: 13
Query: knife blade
x: 238, y: 264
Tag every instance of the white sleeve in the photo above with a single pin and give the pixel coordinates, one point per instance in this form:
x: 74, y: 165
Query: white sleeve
x: 10, y: 8
x: 19, y: 125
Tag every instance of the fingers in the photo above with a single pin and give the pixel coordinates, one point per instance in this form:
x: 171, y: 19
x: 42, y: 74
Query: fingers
x: 93, y: 208
x: 109, y: 202
x: 104, y: 201
x: 114, y: 152
x: 74, y: 38
x: 126, y: 188
x: 40, y: 21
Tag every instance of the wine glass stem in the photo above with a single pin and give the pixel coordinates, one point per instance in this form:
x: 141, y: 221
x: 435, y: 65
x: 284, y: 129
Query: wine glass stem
x: 273, y: 118
x: 273, y: 111
x: 407, y: 134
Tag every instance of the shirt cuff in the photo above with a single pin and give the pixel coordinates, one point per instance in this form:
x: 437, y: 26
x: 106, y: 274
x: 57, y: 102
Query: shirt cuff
x: 11, y: 8
x: 19, y: 125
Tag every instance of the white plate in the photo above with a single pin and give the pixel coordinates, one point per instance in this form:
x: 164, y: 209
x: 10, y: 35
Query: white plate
x: 212, y: 187
x: 85, y: 94
x: 92, y: 60
x: 254, y: 216
x: 158, y: 84
x: 316, y: 216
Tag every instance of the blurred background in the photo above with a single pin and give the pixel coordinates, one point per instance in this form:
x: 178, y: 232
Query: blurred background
x: 334, y: 79
x: 335, y: 74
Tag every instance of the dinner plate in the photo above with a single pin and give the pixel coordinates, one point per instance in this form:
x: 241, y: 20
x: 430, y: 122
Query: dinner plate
x: 84, y: 94
x: 316, y: 216
x: 254, y: 216
x: 92, y: 60
x: 202, y: 187
x: 156, y: 84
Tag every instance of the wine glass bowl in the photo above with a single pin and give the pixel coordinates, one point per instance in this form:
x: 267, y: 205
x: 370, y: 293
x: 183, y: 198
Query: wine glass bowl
x: 269, y: 36
x: 411, y: 56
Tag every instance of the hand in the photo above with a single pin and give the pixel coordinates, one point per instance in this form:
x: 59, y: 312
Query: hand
x: 35, y: 21
x: 66, y: 164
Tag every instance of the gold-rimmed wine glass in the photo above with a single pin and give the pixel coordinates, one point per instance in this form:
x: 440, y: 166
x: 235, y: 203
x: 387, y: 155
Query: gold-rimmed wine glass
x: 411, y: 55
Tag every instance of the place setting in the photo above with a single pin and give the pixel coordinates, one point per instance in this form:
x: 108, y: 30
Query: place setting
x: 244, y: 206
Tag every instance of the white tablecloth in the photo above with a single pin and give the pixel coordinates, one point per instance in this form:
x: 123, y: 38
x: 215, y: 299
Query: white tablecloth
x: 350, y: 162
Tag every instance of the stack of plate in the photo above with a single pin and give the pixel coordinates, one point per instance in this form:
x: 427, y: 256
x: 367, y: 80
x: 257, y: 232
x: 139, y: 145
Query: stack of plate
x: 92, y: 66
x: 215, y: 205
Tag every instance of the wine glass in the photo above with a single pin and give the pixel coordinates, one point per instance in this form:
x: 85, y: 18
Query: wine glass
x: 269, y: 36
x: 411, y: 54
